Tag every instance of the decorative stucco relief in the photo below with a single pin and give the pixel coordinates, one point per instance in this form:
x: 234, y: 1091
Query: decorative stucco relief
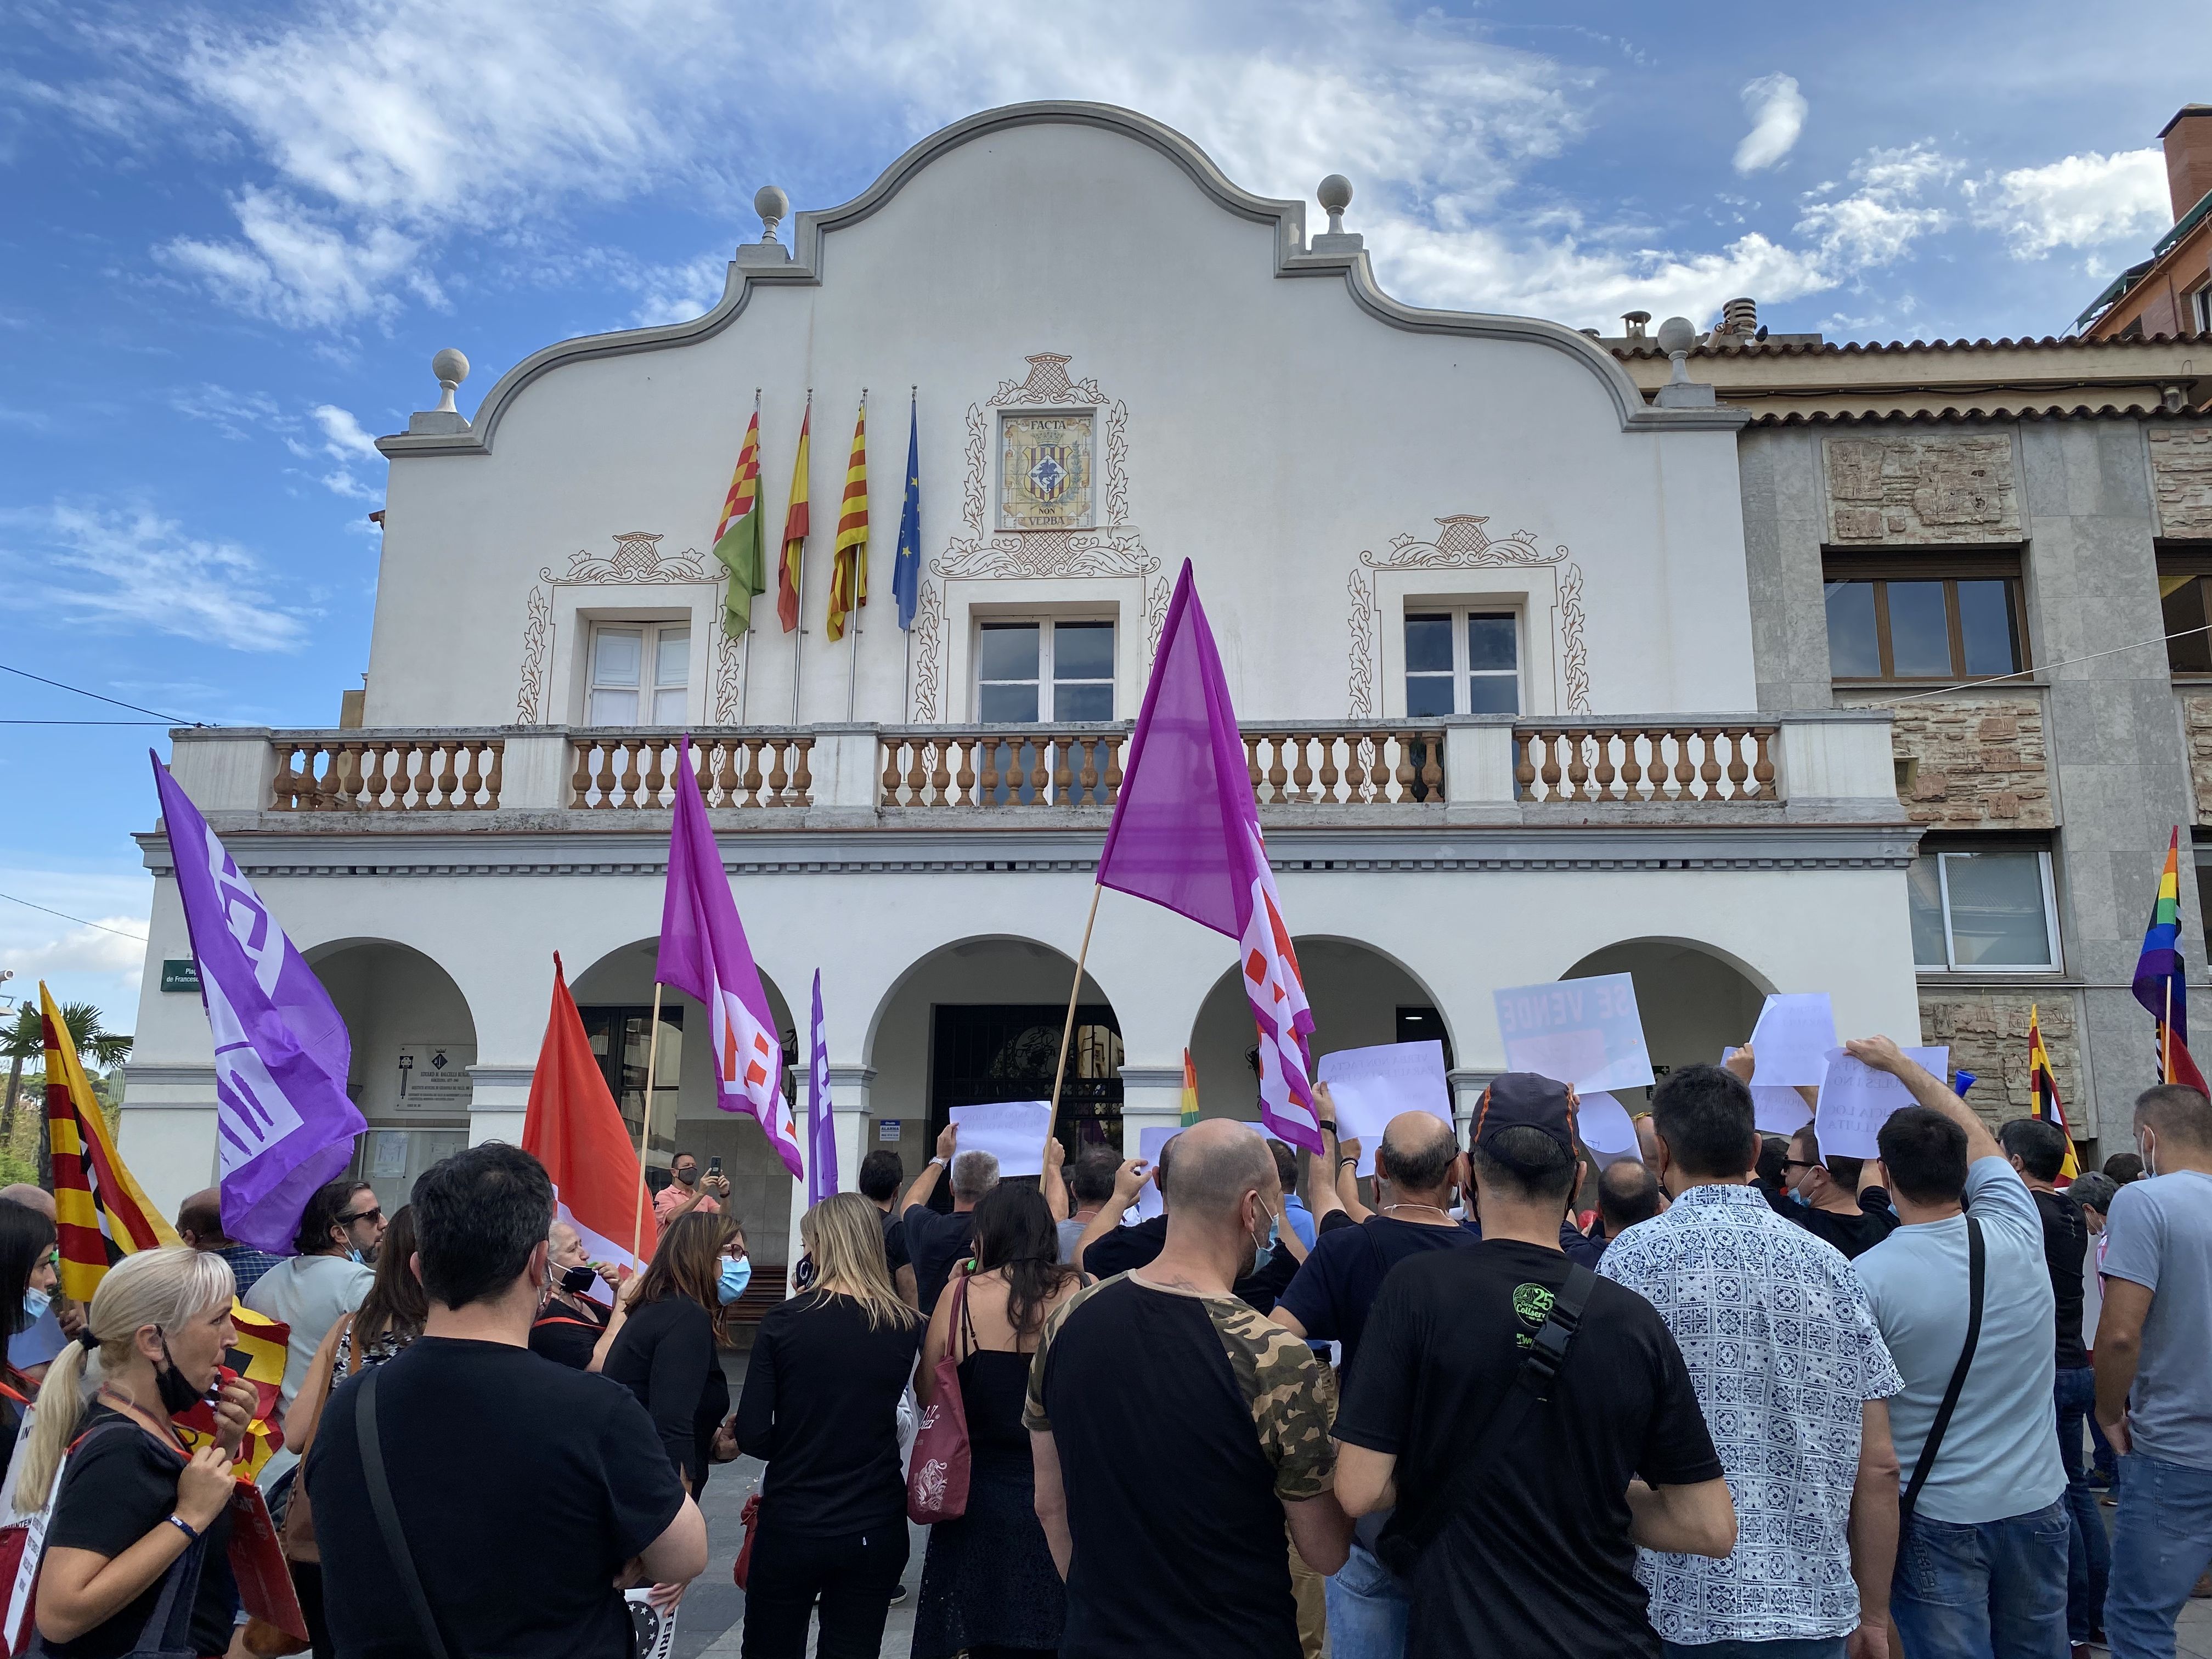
x: 637, y: 559
x: 2181, y: 477
x: 1462, y: 543
x: 1114, y: 548
x: 1913, y: 490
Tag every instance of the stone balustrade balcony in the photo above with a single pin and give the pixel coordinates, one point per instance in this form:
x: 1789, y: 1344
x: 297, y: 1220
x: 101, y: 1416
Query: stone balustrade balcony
x: 1823, y: 766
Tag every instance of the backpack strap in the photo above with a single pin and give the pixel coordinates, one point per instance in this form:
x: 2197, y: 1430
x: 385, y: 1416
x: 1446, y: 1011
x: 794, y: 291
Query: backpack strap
x: 1403, y: 1541
x: 387, y: 1516
x: 1977, y: 1276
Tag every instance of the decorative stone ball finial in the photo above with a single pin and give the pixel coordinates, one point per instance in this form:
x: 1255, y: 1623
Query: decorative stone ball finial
x: 451, y: 368
x: 1335, y: 194
x: 774, y: 208
x: 1676, y: 335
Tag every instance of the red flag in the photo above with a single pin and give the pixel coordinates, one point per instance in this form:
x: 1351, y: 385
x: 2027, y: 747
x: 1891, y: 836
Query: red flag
x: 575, y: 1129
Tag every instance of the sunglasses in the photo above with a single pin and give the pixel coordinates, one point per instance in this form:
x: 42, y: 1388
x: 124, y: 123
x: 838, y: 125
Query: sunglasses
x: 1798, y: 1164
x: 352, y: 1216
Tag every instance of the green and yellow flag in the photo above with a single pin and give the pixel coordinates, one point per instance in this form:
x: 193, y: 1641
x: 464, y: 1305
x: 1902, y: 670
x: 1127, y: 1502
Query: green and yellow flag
x: 738, y: 537
x: 848, y: 571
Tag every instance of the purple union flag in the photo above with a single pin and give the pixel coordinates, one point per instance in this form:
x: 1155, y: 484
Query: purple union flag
x: 284, y: 1125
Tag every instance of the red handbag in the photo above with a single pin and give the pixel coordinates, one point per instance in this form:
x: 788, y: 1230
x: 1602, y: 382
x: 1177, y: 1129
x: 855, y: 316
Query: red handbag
x: 742, y: 1568
x: 937, y: 1477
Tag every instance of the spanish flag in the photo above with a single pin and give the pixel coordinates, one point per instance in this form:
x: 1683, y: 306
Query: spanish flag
x: 2043, y: 1095
x: 738, y: 537
x: 787, y: 572
x: 259, y: 1358
x: 848, y: 578
x: 100, y: 1213
x: 1189, y: 1091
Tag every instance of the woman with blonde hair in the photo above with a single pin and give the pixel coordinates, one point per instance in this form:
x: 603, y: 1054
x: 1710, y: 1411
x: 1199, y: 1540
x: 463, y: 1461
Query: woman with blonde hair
x: 821, y: 1409
x: 134, y: 1553
x: 661, y: 1343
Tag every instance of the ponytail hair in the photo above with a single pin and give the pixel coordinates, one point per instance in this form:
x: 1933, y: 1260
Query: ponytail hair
x: 165, y: 1287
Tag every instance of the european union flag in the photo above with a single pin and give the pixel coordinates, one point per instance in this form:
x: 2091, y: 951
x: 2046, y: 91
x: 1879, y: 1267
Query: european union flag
x: 906, y: 574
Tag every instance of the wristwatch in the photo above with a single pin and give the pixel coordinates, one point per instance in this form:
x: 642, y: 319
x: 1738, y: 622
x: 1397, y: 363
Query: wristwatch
x: 1329, y: 1125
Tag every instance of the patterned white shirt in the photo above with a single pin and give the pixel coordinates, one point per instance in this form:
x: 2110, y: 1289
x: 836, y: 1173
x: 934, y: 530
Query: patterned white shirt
x: 1784, y: 1352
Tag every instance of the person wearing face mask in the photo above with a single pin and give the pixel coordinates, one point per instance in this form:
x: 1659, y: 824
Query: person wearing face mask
x: 1839, y: 1200
x: 2154, y: 1388
x: 661, y: 1343
x: 569, y: 1326
x: 312, y: 1291
x: 28, y: 1279
x: 137, y: 1522
x: 820, y: 1406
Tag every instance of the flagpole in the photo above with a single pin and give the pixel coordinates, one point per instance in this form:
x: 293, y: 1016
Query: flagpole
x: 906, y: 668
x: 645, y: 1127
x: 799, y: 584
x: 760, y: 550
x: 1068, y: 1027
x: 853, y: 629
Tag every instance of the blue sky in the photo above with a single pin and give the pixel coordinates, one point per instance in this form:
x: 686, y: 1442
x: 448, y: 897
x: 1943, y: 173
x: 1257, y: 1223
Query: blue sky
x: 232, y: 236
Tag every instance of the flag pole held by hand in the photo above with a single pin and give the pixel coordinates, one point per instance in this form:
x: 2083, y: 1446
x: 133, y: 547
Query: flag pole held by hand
x: 645, y: 1126
x: 1068, y: 1027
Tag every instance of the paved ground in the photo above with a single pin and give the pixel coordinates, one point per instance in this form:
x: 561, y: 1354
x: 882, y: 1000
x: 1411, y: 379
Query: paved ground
x: 710, y: 1622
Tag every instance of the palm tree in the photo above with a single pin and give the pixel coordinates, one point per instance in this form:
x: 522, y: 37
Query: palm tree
x: 26, y: 1039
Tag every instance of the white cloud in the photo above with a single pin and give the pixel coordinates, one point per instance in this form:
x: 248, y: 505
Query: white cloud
x: 676, y: 294
x: 131, y: 569
x: 346, y: 437
x: 1879, y: 221
x: 295, y: 268
x: 2079, y: 201
x: 233, y: 413
x: 79, y: 963
x: 1778, y: 111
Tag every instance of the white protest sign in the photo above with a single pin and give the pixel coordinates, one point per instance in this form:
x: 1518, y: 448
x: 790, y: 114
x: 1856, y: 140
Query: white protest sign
x: 1012, y: 1130
x: 1605, y: 1125
x: 1776, y: 1111
x: 1792, y: 1039
x: 1371, y: 1086
x: 1149, y: 1142
x: 1856, y: 1100
x: 1582, y: 1032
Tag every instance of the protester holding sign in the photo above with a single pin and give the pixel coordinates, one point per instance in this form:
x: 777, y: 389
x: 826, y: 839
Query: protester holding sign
x: 1983, y: 1528
x: 1527, y: 1455
x: 1795, y: 1383
x: 131, y: 1512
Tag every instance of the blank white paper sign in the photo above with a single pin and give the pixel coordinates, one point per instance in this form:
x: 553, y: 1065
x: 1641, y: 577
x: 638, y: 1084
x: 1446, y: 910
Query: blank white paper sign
x: 1149, y: 1142
x: 1856, y: 1100
x: 1583, y: 1031
x: 1012, y: 1130
x: 1371, y: 1086
x: 1792, y: 1039
x: 1605, y: 1125
x: 1776, y: 1111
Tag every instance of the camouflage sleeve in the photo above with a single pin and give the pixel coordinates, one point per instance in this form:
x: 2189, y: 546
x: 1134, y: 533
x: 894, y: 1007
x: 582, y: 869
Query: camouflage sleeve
x: 1291, y: 1399
x: 1033, y: 1412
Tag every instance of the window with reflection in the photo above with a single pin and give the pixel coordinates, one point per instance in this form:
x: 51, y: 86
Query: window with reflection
x: 640, y: 673
x: 1462, y: 662
x: 1984, y: 910
x: 1952, y: 619
x: 1049, y: 670
x: 2185, y: 601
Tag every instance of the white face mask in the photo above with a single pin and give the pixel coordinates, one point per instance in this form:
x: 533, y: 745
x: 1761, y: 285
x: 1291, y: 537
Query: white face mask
x: 2149, y: 1153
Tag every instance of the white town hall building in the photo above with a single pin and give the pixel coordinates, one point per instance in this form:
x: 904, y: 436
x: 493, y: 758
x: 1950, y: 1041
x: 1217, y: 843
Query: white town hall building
x: 1484, y: 611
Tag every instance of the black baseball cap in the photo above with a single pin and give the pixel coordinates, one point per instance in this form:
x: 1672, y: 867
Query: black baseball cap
x: 1518, y: 1100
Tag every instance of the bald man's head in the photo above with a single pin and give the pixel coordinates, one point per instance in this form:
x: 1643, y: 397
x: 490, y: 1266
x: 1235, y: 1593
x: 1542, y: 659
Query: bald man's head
x: 1417, y: 1154
x: 199, y: 1220
x: 1216, y: 1163
x: 1627, y: 1193
x: 30, y: 1197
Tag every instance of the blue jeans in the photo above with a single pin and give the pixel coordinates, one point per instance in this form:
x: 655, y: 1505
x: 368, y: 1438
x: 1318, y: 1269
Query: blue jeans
x: 1992, y: 1590
x: 1367, y: 1609
x: 2162, y: 1542
x: 2089, y: 1550
x: 1819, y: 1647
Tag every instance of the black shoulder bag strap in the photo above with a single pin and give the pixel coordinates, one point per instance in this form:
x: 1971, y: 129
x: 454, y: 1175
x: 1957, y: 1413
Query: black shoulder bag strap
x: 1401, y: 1544
x: 1977, y: 1264
x: 387, y: 1517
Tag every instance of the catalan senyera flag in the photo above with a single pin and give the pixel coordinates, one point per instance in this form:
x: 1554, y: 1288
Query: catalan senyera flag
x: 788, y: 571
x: 2043, y: 1095
x: 100, y: 1213
x: 848, y: 573
x: 1189, y: 1091
x: 260, y: 1348
x: 738, y: 537
x: 2161, y: 983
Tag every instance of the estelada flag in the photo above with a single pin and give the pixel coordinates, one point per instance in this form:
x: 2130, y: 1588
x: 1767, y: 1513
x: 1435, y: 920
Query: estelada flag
x: 2043, y: 1096
x: 258, y: 1357
x: 100, y: 1213
x: 575, y: 1129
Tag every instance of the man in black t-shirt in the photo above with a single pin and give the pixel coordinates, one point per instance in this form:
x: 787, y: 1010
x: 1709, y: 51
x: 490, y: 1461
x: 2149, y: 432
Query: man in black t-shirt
x: 881, y: 1174
x: 1175, y: 1429
x: 1540, y: 1559
x: 478, y: 1434
x: 1833, y: 1198
x: 937, y: 1243
x: 2037, y: 1149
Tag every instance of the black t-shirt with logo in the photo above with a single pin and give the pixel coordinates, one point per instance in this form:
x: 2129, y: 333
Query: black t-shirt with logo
x: 1540, y: 1563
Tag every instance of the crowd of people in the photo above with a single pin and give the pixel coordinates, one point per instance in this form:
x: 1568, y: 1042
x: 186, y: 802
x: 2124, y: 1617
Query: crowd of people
x: 1758, y: 1401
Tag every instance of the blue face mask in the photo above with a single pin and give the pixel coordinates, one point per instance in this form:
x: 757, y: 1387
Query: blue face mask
x: 1263, y: 1254
x: 736, y: 1275
x: 1797, y: 1197
x: 35, y: 1302
x: 356, y: 1258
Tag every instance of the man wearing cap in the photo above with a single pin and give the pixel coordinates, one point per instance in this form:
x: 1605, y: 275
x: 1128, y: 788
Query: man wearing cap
x: 1796, y: 1382
x: 1527, y: 1456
